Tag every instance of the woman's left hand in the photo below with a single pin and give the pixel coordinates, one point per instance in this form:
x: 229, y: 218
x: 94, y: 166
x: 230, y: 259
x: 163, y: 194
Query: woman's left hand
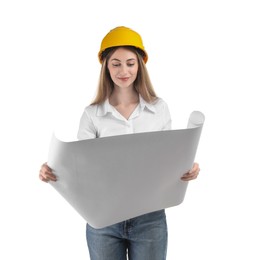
x: 192, y: 174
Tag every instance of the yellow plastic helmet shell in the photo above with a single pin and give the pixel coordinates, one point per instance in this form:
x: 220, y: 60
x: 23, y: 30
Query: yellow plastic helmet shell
x: 122, y: 36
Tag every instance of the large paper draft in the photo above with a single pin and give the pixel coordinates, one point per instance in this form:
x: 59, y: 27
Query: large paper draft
x: 111, y: 179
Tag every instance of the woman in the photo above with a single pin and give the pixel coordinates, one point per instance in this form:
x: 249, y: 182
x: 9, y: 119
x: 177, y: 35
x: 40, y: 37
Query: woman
x: 125, y: 103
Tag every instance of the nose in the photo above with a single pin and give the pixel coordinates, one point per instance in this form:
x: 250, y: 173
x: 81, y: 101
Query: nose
x: 123, y: 69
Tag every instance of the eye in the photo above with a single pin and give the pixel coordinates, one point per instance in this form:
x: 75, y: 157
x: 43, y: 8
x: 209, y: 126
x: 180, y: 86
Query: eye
x: 130, y: 64
x: 116, y: 64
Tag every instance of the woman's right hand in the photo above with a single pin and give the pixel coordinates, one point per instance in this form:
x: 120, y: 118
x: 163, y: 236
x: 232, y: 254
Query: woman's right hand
x: 46, y: 174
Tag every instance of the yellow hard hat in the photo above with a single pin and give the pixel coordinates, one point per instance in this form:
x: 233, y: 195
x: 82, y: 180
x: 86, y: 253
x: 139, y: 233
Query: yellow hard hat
x: 122, y: 36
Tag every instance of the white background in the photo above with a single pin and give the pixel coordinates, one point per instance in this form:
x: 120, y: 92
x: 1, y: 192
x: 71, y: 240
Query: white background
x: 201, y: 57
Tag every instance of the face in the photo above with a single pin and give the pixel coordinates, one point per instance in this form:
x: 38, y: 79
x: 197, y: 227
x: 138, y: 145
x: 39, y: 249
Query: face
x: 123, y: 67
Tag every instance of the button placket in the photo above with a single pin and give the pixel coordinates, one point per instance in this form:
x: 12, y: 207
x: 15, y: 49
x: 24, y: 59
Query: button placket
x: 130, y: 126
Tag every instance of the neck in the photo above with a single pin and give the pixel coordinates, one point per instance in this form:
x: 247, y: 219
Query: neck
x: 123, y: 96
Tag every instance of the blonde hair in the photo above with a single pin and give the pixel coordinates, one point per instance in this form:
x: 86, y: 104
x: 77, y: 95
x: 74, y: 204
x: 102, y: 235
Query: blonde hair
x: 142, y: 84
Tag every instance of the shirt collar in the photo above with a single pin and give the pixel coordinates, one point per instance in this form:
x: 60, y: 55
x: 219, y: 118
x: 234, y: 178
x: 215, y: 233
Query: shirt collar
x: 144, y: 104
x: 105, y: 107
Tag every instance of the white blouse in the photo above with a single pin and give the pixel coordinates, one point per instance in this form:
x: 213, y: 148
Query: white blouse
x: 104, y: 120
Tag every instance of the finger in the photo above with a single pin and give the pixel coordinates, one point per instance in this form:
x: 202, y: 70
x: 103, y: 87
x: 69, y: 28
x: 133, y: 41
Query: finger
x: 190, y: 176
x: 46, y: 167
x: 47, y: 176
x: 194, y: 168
x: 193, y: 175
x: 46, y: 170
x: 42, y: 178
x: 51, y: 177
x: 188, y: 179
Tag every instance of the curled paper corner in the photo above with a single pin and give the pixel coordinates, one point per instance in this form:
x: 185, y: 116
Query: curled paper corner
x: 55, y: 136
x: 196, y: 119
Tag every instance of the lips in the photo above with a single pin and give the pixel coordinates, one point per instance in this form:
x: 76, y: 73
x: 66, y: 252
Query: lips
x: 123, y: 79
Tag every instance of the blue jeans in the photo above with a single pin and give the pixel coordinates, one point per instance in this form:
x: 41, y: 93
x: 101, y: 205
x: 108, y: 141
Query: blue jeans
x: 141, y: 238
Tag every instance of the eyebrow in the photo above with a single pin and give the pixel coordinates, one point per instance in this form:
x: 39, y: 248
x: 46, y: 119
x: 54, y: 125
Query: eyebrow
x: 120, y: 60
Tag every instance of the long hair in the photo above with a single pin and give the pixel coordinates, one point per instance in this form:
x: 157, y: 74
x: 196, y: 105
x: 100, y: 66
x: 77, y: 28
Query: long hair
x: 142, y: 83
